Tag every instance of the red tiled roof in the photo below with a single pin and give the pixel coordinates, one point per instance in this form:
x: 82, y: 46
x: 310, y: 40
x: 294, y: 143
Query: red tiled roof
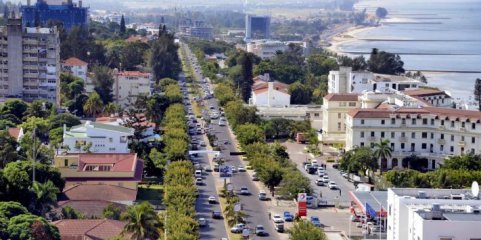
x: 261, y: 85
x: 14, y: 132
x: 424, y: 92
x: 73, y: 61
x: 135, y: 38
x: 91, y: 192
x: 341, y: 97
x: 121, y: 162
x: 133, y: 74
x: 138, y: 171
x: 75, y: 229
x: 447, y: 113
x: 89, y: 208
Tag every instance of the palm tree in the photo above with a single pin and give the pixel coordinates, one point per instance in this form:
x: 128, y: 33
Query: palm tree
x: 382, y: 151
x: 93, y: 105
x: 45, y: 195
x: 142, y: 222
x: 111, y: 108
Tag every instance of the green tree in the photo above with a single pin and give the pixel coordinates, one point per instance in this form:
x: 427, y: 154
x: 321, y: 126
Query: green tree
x: 142, y: 222
x: 11, y: 209
x: 37, y: 109
x: 469, y: 162
x: 45, y: 196
x: 16, y: 107
x: 249, y: 133
x: 70, y: 213
x: 122, y: 25
x: 112, y: 212
x: 28, y: 226
x: 246, y: 81
x: 271, y: 175
x: 300, y: 93
x: 304, y: 230
x: 318, y: 64
x: 385, y: 63
x: 293, y: 182
x: 164, y: 59
x: 66, y: 119
x: 415, y: 162
x: 40, y: 125
x: 477, y: 92
x: 93, y: 106
x: 358, y: 160
x: 111, y: 108
x: 103, y: 83
x: 382, y: 151
x: 8, y: 149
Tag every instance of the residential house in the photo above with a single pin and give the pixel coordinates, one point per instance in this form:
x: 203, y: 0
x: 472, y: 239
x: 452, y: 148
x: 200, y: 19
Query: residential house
x: 89, y: 229
x: 433, y: 97
x: 104, y: 138
x: 267, y: 93
x: 76, y: 67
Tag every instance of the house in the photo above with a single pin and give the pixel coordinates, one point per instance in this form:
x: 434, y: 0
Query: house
x: 267, y: 93
x: 104, y: 138
x: 139, y: 120
x: 16, y: 133
x: 76, y: 67
x: 431, y: 96
x: 89, y: 229
x: 116, y: 169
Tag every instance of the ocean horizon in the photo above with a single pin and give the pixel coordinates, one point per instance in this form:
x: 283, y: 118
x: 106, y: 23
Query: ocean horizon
x: 442, y: 38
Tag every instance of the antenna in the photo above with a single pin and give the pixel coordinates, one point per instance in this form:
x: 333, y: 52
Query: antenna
x: 475, y: 189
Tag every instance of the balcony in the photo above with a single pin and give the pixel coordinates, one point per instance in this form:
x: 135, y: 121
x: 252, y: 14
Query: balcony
x: 30, y: 41
x: 402, y: 139
x: 462, y: 143
x: 441, y: 141
x: 442, y: 127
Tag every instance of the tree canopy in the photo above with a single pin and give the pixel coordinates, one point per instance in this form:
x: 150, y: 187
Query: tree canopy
x: 385, y: 63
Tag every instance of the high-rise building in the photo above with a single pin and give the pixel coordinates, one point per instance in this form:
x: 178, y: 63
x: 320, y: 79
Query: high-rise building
x: 258, y: 27
x: 29, y: 62
x: 45, y: 11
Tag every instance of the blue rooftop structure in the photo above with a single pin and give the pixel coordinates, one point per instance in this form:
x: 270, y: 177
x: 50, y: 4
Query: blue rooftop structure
x: 66, y: 12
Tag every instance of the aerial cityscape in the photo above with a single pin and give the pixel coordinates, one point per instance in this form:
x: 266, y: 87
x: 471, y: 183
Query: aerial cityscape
x: 272, y: 119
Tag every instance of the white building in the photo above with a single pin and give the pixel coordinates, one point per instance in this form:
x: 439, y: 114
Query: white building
x: 128, y: 85
x: 430, y: 132
x: 431, y: 96
x: 104, y: 138
x: 347, y: 81
x: 267, y: 93
x: 433, y: 214
x: 334, y: 110
x: 76, y: 67
x: 265, y: 48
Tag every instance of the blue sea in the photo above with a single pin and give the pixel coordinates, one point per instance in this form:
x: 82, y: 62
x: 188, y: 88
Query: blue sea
x: 430, y: 35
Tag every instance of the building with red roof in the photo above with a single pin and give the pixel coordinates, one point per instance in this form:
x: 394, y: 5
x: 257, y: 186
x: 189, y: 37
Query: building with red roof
x: 89, y: 229
x: 76, y: 67
x: 267, y: 93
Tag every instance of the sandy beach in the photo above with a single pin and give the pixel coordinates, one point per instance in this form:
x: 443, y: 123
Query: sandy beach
x: 344, y: 37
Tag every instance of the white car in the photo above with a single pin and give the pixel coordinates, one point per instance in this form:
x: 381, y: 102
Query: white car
x: 320, y: 182
x: 202, y: 222
x: 332, y: 185
x: 212, y: 200
x: 241, y: 169
x: 277, y: 218
x: 221, y: 123
x: 198, y: 173
x: 326, y: 179
x: 320, y: 173
x: 244, y: 191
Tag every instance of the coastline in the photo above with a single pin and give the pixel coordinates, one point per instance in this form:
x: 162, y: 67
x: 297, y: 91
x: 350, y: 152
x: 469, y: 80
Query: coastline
x: 345, y: 37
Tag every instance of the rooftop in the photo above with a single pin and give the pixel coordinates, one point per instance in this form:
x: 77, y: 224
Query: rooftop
x: 472, y: 217
x: 74, y: 229
x: 89, y: 208
x: 118, y: 162
x: 348, y: 97
x: 89, y: 192
x: 14, y: 132
x: 438, y: 112
x: 134, y: 74
x: 392, y: 78
x: 73, y: 61
x: 260, y: 86
x: 80, y: 131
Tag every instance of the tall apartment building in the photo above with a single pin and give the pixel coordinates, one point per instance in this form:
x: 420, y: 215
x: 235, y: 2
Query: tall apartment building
x: 45, y: 11
x: 257, y: 27
x: 29, y: 62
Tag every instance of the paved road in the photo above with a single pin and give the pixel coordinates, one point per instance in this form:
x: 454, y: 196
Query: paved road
x: 296, y: 153
x: 216, y: 228
x: 255, y: 209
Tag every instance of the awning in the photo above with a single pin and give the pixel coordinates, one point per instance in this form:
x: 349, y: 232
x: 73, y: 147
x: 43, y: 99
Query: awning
x: 370, y: 202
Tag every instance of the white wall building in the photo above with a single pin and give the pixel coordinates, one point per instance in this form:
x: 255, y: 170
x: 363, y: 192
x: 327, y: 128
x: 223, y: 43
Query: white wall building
x: 347, y: 81
x: 265, y: 48
x: 429, y: 132
x: 334, y: 110
x: 267, y: 93
x: 76, y: 67
x: 104, y: 138
x: 433, y: 214
x: 433, y: 97
x: 128, y: 85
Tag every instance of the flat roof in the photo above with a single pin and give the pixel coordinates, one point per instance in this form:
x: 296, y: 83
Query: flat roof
x: 469, y: 217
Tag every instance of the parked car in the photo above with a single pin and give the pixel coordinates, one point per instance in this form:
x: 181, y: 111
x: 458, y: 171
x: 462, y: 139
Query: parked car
x: 216, y: 215
x: 277, y: 218
x: 326, y: 179
x: 244, y: 191
x: 288, y: 217
x: 315, y: 220
x: 202, y: 222
x: 332, y: 185
x: 262, y: 195
x: 238, y: 228
x: 241, y: 169
x: 254, y: 177
x: 212, y: 200
x: 320, y: 182
x: 260, y: 231
x: 279, y: 227
x: 198, y: 181
x: 198, y: 173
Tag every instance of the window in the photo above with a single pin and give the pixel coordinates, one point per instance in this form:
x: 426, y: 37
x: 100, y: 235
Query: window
x: 451, y: 149
x: 413, y: 135
x: 432, y: 135
x: 442, y: 135
x: 372, y: 134
x: 452, y: 138
x: 111, y: 140
x: 432, y: 121
x: 362, y: 134
x: 339, y: 126
x: 403, y: 121
x: 473, y: 140
x: 441, y: 148
x: 65, y: 162
x: 463, y: 124
x: 402, y: 145
x: 413, y: 147
x: 425, y: 121
x: 352, y: 104
x: 362, y: 144
x: 393, y: 134
x: 362, y: 121
x: 424, y: 146
x: 424, y: 135
x: 442, y: 122
x: 403, y: 134
x: 413, y: 121
x: 382, y: 134
x: 342, y: 104
x: 392, y: 146
x: 393, y: 121
x: 339, y: 115
x: 462, y: 138
x: 452, y: 124
x: 382, y: 122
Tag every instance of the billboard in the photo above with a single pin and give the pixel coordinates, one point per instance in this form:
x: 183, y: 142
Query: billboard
x: 302, y: 204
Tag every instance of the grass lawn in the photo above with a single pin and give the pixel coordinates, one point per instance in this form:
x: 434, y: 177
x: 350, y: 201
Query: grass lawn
x: 152, y: 193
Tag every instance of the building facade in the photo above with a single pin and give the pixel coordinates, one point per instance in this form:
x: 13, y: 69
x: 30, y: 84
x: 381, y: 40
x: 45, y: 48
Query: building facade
x: 76, y: 67
x: 46, y: 11
x: 265, y: 48
x: 257, y: 27
x: 433, y: 214
x: 128, y: 85
x: 334, y: 110
x: 432, y: 133
x: 104, y: 138
x: 267, y: 93
x: 29, y: 62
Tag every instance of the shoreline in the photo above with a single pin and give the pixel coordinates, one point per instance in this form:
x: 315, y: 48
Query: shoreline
x: 345, y: 37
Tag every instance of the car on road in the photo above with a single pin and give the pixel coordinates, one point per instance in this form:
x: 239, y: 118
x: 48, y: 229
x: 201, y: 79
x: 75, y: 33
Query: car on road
x: 260, y: 231
x: 198, y: 173
x: 262, y: 195
x: 244, y: 191
x: 216, y: 215
x: 212, y: 200
x: 315, y: 220
x: 307, y: 166
x: 288, y: 217
x: 198, y: 181
x: 238, y: 228
x: 320, y: 182
x: 221, y: 123
x: 202, y: 143
x: 320, y: 174
x: 233, y: 169
x: 332, y: 185
x: 325, y: 179
x: 241, y: 169
x: 202, y: 222
x: 277, y: 218
x: 254, y: 177
x: 279, y: 227
x: 345, y: 175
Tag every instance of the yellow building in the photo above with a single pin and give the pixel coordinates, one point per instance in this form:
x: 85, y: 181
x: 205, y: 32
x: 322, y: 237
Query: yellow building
x: 334, y: 109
